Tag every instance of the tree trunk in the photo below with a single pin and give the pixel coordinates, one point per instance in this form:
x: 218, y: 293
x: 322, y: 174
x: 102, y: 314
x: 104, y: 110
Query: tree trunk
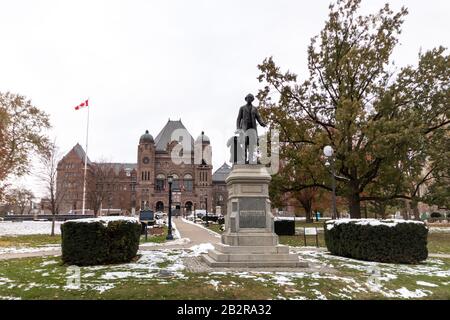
x: 354, y: 204
x: 53, y: 225
x: 309, y: 218
x: 307, y: 205
x: 415, y: 209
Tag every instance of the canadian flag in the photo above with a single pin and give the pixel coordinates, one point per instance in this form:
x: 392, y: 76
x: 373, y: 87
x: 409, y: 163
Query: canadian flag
x: 82, y: 105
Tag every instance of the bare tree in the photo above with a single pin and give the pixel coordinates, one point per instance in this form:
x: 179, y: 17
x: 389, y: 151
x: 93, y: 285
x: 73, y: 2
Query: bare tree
x: 20, y: 198
x: 48, y: 174
x: 101, y: 184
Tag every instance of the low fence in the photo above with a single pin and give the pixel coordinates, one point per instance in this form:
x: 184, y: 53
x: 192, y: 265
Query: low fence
x: 45, y: 217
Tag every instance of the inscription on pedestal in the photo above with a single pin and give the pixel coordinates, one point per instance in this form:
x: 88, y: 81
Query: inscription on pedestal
x: 252, y: 213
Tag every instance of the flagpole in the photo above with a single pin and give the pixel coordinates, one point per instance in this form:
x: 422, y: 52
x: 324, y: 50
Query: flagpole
x: 85, y: 162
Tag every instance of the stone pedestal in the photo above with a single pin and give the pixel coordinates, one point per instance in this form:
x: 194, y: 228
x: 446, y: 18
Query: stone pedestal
x: 249, y: 239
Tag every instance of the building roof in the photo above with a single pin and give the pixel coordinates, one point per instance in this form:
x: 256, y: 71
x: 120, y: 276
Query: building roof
x: 202, y: 138
x: 164, y: 137
x: 119, y: 166
x: 80, y: 153
x: 146, y: 137
x: 222, y: 173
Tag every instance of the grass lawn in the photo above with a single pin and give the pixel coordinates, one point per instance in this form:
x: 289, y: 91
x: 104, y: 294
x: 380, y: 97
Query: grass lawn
x: 35, y: 240
x: 331, y: 278
x: 38, y: 240
x: 439, y: 243
x: 301, y: 224
x: 299, y: 240
x: 156, y: 238
x: 215, y: 228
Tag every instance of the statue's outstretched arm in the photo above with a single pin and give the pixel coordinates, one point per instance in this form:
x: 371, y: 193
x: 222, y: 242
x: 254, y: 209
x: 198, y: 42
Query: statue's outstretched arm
x: 239, y: 118
x: 260, y: 120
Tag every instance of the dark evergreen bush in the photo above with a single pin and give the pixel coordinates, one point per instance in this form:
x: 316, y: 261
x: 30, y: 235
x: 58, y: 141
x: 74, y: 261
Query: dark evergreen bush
x: 388, y: 241
x: 284, y: 227
x: 435, y: 215
x: 97, y: 241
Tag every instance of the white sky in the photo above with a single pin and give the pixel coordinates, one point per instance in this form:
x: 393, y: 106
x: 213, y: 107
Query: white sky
x: 143, y: 62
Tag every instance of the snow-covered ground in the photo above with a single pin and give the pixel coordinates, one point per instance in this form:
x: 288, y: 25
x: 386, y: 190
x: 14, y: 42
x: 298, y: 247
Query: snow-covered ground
x: 167, y: 265
x: 9, y: 228
x: 438, y: 230
x: 372, y: 222
x: 107, y: 220
x: 14, y: 250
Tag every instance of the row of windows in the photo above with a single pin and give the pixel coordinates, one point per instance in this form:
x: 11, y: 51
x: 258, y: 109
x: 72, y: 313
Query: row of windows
x: 145, y: 175
x: 70, y: 166
x: 188, y: 184
x: 71, y: 174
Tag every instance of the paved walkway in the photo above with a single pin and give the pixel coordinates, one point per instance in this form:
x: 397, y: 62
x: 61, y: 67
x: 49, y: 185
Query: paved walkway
x: 190, y: 233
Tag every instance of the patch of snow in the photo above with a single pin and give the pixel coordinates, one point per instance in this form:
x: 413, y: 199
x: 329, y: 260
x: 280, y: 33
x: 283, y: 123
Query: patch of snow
x: 9, y: 228
x: 284, y: 219
x: 201, y: 248
x: 105, y: 220
x: 4, y: 281
x: 88, y: 275
x: 181, y: 241
x: 438, y: 230
x: 49, y: 262
x: 319, y: 295
x: 117, y: 275
x: 103, y: 288
x: 14, y: 250
x: 371, y: 222
x: 405, y: 293
x: 176, y: 233
x: 222, y: 273
x: 215, y: 284
x: 426, y: 284
x: 282, y: 280
x: 9, y: 298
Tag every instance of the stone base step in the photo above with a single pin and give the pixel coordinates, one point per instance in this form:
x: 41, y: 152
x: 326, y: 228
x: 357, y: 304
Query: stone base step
x: 278, y: 249
x: 250, y: 239
x: 254, y: 264
x: 236, y: 257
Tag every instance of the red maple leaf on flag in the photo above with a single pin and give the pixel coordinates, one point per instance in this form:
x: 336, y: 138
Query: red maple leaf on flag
x: 82, y: 105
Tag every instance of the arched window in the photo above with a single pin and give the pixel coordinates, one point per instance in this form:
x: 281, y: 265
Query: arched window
x: 188, y: 182
x: 160, y: 182
x: 176, y: 182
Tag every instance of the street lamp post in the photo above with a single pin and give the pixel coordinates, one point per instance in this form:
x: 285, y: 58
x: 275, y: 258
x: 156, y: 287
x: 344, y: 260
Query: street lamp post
x: 169, y: 231
x: 328, y: 152
x: 206, y: 205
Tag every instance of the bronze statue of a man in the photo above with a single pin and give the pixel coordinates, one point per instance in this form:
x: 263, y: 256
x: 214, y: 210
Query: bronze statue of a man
x: 248, y: 115
x: 247, y: 129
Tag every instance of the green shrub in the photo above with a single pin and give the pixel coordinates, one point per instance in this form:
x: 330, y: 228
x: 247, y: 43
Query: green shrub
x: 373, y: 240
x: 435, y: 215
x: 284, y: 227
x: 100, y: 240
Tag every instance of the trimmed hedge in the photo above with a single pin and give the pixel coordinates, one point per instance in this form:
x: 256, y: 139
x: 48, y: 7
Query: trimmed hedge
x: 390, y: 241
x: 100, y: 241
x: 436, y: 215
x: 284, y: 227
x: 210, y: 218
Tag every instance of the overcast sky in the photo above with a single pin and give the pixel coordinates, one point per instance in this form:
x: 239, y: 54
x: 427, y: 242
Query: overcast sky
x: 143, y: 62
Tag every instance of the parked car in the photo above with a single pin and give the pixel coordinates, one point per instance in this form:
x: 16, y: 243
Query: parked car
x: 200, y: 213
x: 160, y: 215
